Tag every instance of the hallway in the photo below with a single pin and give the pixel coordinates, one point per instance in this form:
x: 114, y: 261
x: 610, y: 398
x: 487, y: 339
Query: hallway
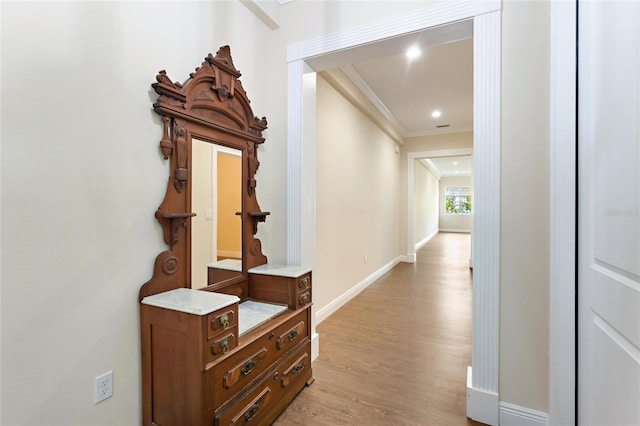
x: 397, y: 354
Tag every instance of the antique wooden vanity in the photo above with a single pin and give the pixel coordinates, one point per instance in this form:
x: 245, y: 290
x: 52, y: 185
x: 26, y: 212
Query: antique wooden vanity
x: 225, y: 336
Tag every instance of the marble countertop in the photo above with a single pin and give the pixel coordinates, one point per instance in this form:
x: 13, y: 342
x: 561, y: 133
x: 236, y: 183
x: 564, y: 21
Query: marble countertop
x: 280, y: 270
x: 191, y: 301
x: 251, y: 314
x: 227, y: 264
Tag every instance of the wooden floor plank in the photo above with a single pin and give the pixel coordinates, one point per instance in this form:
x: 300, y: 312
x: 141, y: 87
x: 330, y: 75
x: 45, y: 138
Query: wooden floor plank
x: 397, y: 354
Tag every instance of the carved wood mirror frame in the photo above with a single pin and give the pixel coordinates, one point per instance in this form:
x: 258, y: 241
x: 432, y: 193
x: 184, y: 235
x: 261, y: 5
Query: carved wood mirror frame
x: 211, y: 106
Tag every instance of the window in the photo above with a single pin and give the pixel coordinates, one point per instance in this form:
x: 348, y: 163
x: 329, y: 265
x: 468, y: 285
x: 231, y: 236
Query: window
x: 457, y: 200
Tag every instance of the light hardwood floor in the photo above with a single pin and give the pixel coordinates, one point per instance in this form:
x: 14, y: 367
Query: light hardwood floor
x: 397, y: 354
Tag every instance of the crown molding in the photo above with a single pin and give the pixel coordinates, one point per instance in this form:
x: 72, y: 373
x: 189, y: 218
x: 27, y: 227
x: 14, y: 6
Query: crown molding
x: 431, y: 167
x: 366, y: 90
x: 261, y: 13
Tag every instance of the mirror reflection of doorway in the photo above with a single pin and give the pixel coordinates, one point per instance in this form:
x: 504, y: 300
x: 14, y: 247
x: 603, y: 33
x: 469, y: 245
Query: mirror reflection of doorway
x: 216, y: 197
x: 229, y: 225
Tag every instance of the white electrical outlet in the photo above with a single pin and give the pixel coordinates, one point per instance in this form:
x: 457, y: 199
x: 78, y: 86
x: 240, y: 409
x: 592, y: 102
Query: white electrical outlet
x: 104, y: 386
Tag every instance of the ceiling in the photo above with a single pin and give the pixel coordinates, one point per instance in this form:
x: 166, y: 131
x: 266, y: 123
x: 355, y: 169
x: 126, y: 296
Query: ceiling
x: 411, y: 89
x: 408, y: 91
x: 450, y: 166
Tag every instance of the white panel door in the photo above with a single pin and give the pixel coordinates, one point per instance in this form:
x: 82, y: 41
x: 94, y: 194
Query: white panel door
x: 609, y: 213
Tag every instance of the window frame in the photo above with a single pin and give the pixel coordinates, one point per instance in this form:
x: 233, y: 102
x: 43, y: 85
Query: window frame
x: 444, y: 200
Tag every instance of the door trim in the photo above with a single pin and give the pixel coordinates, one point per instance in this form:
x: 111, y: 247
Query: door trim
x: 562, y: 215
x: 483, y: 397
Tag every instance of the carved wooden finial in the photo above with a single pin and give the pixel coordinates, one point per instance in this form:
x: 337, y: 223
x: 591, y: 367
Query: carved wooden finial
x: 164, y: 79
x: 224, y: 53
x: 224, y: 61
x: 165, y: 143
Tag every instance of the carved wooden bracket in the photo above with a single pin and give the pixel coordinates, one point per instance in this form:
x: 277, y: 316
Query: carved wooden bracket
x: 253, y: 164
x: 182, y: 174
x: 257, y: 217
x: 178, y: 220
x: 166, y: 146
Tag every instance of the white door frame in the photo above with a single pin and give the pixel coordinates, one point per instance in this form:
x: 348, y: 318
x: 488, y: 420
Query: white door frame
x: 483, y: 401
x: 562, y: 218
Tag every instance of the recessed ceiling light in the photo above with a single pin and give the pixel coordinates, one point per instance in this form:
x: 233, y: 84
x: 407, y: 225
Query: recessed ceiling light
x: 457, y: 172
x: 436, y: 113
x: 455, y: 163
x: 413, y: 52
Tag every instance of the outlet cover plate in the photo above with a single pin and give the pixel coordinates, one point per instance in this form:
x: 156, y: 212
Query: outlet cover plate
x: 104, y: 386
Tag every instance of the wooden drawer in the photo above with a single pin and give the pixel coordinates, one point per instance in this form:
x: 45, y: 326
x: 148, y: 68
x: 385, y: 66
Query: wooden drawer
x: 282, y: 290
x: 229, y: 376
x: 221, y: 321
x: 264, y: 402
x: 303, y: 299
x: 298, y: 368
x: 220, y: 345
x: 303, y: 283
x: 252, y: 412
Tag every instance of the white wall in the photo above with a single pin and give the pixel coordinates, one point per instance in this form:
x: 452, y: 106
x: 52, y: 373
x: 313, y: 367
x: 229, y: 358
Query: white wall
x: 524, y: 231
x: 426, y: 193
x: 439, y: 142
x: 358, y: 202
x: 82, y: 176
x: 451, y: 222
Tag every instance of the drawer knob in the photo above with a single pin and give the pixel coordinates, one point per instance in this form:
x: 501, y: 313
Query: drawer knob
x: 251, y: 413
x: 224, y: 321
x: 292, y: 335
x: 304, y: 299
x: 304, y: 283
x: 248, y: 367
x: 224, y: 345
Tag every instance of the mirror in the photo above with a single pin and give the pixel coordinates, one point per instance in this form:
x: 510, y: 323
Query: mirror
x: 209, y: 112
x: 216, y: 197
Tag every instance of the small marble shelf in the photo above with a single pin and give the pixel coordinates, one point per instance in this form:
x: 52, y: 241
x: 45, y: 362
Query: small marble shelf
x: 191, y: 301
x: 280, y: 270
x: 252, y: 314
x: 227, y: 264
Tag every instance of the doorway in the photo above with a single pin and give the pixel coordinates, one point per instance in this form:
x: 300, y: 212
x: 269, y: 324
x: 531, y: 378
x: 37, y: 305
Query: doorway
x: 482, y: 384
x: 412, y: 242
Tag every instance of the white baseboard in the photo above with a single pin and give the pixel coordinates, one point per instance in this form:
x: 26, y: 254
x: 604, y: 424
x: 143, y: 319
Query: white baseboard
x: 515, y: 415
x: 409, y: 258
x: 315, y: 346
x: 425, y: 240
x: 338, y: 302
x: 482, y: 406
x: 464, y: 231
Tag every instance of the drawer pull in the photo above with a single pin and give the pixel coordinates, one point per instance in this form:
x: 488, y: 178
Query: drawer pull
x: 248, y: 367
x: 224, y: 345
x: 251, y: 413
x: 224, y: 321
x: 304, y: 299
x: 251, y: 410
x: 287, y: 338
x: 304, y: 283
x: 296, y: 367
